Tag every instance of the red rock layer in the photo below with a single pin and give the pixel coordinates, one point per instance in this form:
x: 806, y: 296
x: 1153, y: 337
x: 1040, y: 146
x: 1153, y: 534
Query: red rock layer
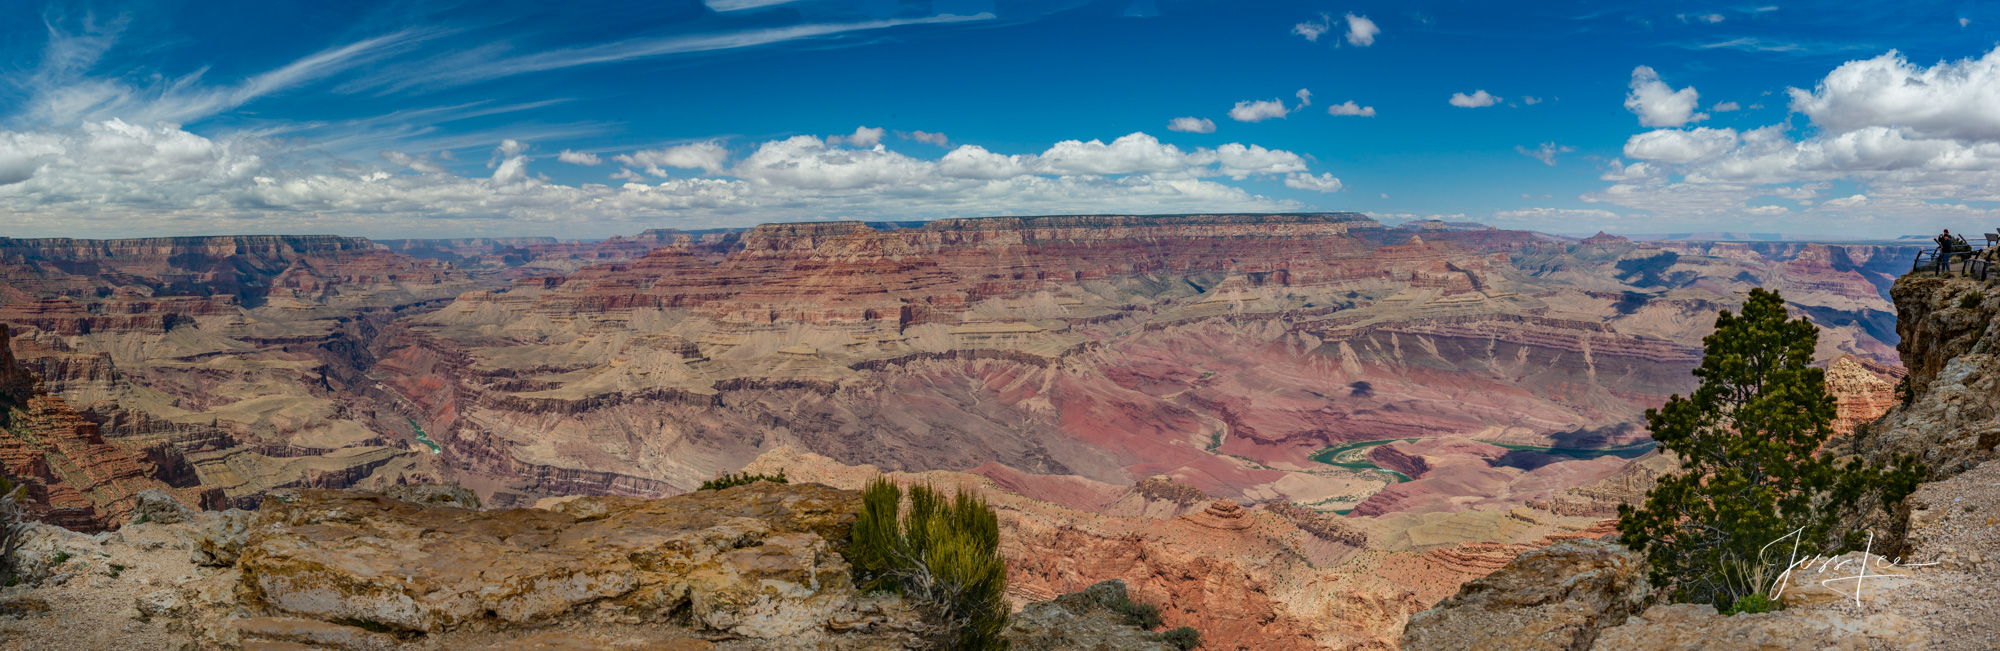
x: 70, y: 475
x: 847, y: 273
x: 1863, y: 390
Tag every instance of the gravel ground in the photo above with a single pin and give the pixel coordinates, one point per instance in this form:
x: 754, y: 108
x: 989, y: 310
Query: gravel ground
x: 98, y: 605
x: 1959, y: 600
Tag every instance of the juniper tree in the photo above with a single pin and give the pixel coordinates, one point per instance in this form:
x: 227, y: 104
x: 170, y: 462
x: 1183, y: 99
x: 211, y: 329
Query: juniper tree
x: 1749, y: 441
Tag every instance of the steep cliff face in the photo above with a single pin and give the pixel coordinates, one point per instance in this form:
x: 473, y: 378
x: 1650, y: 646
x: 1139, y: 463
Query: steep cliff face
x: 71, y: 475
x: 1952, y: 351
x: 227, y: 359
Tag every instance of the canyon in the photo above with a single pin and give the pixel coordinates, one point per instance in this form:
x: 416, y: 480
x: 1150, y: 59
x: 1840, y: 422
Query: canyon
x: 1291, y: 430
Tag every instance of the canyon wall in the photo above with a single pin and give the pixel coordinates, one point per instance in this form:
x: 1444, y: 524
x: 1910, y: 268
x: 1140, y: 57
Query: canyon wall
x: 1286, y: 363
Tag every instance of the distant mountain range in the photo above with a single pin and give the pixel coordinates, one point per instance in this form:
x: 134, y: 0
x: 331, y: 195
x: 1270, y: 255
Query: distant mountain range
x: 1745, y: 237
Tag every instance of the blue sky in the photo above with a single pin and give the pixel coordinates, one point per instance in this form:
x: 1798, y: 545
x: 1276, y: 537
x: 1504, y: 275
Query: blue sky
x: 589, y: 119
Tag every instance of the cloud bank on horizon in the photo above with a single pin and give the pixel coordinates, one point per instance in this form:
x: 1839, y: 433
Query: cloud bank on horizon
x: 421, y: 120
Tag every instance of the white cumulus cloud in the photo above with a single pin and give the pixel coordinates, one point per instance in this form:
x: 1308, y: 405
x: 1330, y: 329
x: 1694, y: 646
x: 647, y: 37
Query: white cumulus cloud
x: 1679, y: 147
x: 578, y: 158
x: 708, y: 156
x: 862, y: 137
x: 1191, y: 125
x: 1658, y: 105
x: 1922, y: 141
x: 1258, y: 110
x: 1350, y: 108
x: 924, y: 137
x: 1321, y: 183
x: 1477, y: 99
x: 417, y: 163
x: 113, y: 178
x: 1313, y: 29
x: 1954, y: 99
x: 1361, y: 31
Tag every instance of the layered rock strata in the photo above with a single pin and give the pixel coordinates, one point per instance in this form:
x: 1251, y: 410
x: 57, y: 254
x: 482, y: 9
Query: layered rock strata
x: 70, y: 475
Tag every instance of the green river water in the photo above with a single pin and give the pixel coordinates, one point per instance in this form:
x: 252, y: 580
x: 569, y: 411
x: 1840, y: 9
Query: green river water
x: 425, y: 438
x: 1354, y: 455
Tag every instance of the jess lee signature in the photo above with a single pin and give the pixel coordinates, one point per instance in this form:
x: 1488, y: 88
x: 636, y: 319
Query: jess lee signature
x: 1835, y: 564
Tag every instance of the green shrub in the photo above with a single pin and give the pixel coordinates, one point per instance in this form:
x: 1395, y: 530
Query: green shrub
x: 943, y: 555
x: 1752, y: 476
x: 1752, y: 603
x: 1183, y: 638
x: 741, y: 478
x: 1146, y: 616
x: 1971, y: 299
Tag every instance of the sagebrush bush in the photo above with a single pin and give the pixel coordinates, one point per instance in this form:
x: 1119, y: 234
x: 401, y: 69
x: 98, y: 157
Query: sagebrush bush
x: 1142, y: 615
x: 1184, y: 638
x: 943, y: 555
x: 741, y: 478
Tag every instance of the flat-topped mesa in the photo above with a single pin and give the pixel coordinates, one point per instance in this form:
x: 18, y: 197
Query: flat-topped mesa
x: 295, y: 270
x: 904, y: 274
x: 65, y: 249
x: 794, y: 240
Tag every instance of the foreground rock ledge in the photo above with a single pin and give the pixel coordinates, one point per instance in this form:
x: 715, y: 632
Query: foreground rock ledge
x: 1560, y: 597
x: 756, y: 561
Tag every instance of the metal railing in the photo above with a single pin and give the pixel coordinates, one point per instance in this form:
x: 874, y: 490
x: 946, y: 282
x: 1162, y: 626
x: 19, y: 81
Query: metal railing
x: 1973, y: 260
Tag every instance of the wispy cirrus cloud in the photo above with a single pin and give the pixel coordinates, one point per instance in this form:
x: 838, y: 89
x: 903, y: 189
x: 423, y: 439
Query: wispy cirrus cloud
x: 493, y: 62
x: 63, y: 91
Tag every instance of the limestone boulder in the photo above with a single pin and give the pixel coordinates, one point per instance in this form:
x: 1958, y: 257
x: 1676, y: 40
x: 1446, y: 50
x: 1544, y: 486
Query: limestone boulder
x: 757, y: 561
x: 43, y: 552
x: 156, y: 506
x: 1558, y: 597
x: 217, y: 538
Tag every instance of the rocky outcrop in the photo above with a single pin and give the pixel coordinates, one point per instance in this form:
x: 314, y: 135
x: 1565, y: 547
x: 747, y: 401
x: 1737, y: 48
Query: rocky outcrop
x: 756, y: 561
x: 1557, y: 598
x: 1324, y: 526
x: 757, y: 567
x: 1081, y: 620
x: 1952, y: 351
